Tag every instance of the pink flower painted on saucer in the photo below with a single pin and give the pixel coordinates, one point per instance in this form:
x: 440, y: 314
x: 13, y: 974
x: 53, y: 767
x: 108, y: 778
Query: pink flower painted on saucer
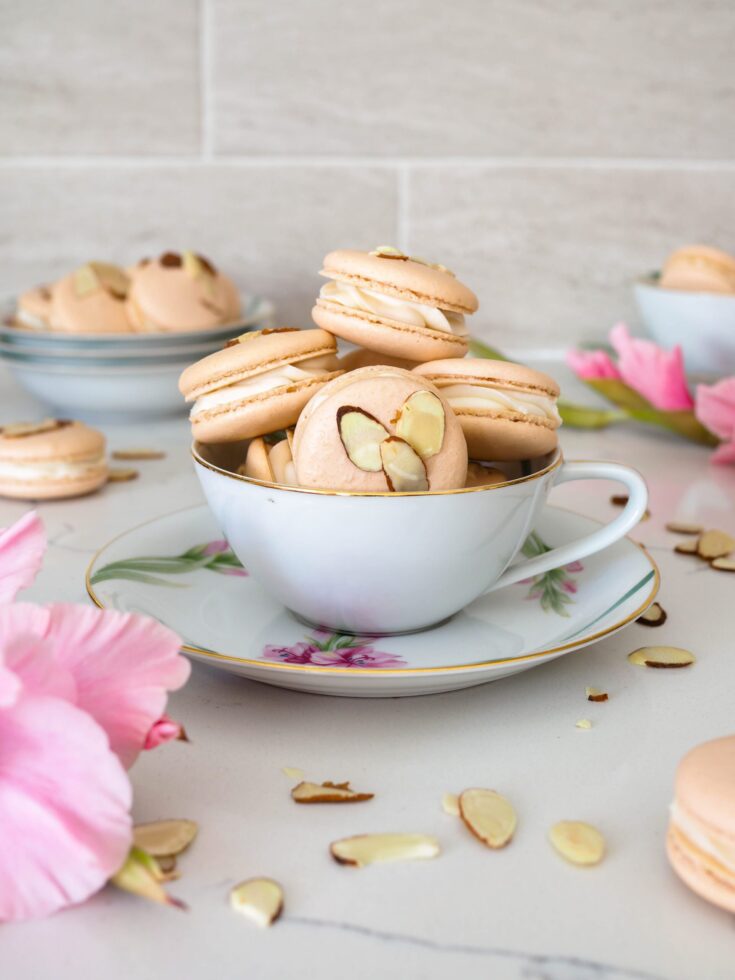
x: 324, y: 649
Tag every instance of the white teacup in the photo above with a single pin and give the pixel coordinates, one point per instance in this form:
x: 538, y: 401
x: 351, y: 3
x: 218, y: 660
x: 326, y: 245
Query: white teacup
x: 372, y: 563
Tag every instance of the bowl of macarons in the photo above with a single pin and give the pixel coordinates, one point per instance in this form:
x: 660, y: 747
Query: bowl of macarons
x: 691, y: 302
x: 109, y: 343
x: 383, y: 489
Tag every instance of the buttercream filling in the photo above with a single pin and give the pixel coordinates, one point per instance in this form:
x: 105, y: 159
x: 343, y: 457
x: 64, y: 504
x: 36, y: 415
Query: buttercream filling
x: 523, y: 403
x: 722, y: 852
x: 280, y: 377
x: 30, y: 320
x: 404, y: 311
x: 52, y: 470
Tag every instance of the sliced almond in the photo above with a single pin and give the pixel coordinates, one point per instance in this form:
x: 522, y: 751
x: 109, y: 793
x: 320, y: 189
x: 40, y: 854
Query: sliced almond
x: 327, y: 793
x: 192, y: 265
x: 259, y: 899
x: 167, y: 866
x: 85, y: 280
x: 121, y: 474
x: 381, y: 848
x: 724, y: 564
x: 655, y: 615
x: 403, y: 467
x: 163, y: 838
x: 420, y: 421
x: 389, y: 252
x: 292, y: 772
x: 132, y: 455
x: 677, y: 527
x: 170, y: 260
x: 687, y: 547
x: 621, y: 499
x: 661, y: 657
x: 19, y: 430
x: 715, y: 544
x: 577, y: 842
x: 488, y: 815
x: 483, y: 476
x: 114, y: 279
x: 450, y: 804
x: 595, y: 694
x: 362, y: 436
x: 583, y: 723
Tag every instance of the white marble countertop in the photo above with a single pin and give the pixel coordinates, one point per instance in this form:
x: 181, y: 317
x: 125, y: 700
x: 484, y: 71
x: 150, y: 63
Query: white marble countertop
x: 518, y: 913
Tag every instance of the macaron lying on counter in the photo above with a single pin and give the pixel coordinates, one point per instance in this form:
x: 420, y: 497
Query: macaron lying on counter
x: 394, y: 304
x: 507, y: 411
x: 258, y: 383
x: 51, y: 459
x: 701, y: 837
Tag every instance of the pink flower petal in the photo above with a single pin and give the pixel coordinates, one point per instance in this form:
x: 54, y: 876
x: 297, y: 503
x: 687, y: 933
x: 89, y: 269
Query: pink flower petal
x: 715, y: 408
x: 653, y: 372
x: 592, y: 364
x: 21, y: 551
x: 162, y: 731
x: 65, y: 825
x: 123, y: 666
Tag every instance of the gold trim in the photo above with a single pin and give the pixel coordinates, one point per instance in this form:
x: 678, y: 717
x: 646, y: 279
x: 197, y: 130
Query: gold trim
x: 553, y: 465
x: 269, y: 665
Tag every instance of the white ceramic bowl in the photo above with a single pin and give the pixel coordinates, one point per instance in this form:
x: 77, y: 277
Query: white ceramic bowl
x: 703, y: 324
x: 373, y: 563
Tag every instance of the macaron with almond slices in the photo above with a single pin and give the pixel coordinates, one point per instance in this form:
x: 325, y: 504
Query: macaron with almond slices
x: 50, y: 460
x: 507, y: 411
x: 392, y: 303
x: 699, y: 268
x: 91, y: 300
x: 180, y: 292
x: 258, y: 383
x: 270, y: 461
x: 34, y: 308
x: 379, y: 429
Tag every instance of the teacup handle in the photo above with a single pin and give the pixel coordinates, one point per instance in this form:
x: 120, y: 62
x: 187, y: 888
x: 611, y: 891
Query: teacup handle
x: 632, y: 513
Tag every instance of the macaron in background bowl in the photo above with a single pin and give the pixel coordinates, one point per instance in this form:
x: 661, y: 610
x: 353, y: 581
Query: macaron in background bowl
x: 394, y: 304
x: 52, y: 459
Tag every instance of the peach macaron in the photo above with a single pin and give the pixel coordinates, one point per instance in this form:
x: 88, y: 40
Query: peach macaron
x: 34, y: 308
x: 180, y: 292
x: 258, y: 383
x: 51, y: 459
x: 378, y: 430
x: 701, y: 837
x: 270, y: 461
x: 507, y: 411
x: 699, y: 268
x: 91, y: 300
x: 394, y: 304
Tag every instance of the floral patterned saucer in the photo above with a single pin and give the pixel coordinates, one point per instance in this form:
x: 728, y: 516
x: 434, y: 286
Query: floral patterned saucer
x: 178, y: 570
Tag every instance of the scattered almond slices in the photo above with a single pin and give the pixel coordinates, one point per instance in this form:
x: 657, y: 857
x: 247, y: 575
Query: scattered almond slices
x: 141, y: 875
x: 715, y: 544
x: 258, y: 899
x: 165, y: 838
x: 327, y: 792
x: 450, y: 804
x: 724, y: 564
x: 655, y: 615
x: 678, y: 527
x: 621, y: 499
x: 583, y: 723
x: 292, y: 772
x: 489, y: 816
x: 134, y: 455
x: 595, y: 694
x: 578, y: 842
x: 121, y: 474
x: 687, y: 547
x: 661, y: 657
x: 367, y: 849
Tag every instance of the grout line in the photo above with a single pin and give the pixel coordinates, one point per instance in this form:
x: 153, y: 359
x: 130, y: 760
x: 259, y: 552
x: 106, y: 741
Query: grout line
x: 403, y: 207
x: 205, y: 79
x: 382, y: 163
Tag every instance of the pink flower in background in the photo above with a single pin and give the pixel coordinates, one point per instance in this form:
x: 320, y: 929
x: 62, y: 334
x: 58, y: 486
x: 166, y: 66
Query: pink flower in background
x: 715, y: 409
x: 162, y: 731
x: 81, y: 693
x: 653, y: 372
x: 21, y: 550
x: 592, y: 365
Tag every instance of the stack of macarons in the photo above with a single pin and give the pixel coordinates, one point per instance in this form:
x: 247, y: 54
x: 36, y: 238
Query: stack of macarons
x: 406, y: 411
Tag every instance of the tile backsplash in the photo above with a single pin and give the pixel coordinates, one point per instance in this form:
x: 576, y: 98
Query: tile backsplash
x: 547, y: 150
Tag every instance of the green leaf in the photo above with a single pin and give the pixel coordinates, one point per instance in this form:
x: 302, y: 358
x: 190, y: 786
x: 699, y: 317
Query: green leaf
x: 478, y: 349
x: 683, y: 423
x: 140, y: 875
x: 107, y: 573
x: 583, y: 417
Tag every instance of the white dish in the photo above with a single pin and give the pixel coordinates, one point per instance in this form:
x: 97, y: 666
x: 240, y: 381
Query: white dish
x: 703, y: 324
x: 189, y: 580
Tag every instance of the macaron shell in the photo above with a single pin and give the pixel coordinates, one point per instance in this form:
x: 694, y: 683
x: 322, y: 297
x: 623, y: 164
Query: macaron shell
x: 490, y: 438
x: 694, y: 875
x: 72, y: 441
x: 402, y: 340
x: 505, y: 373
x: 164, y: 298
x: 361, y: 357
x: 256, y: 462
x: 320, y: 457
x: 54, y: 489
x: 95, y: 312
x: 699, y: 268
x: 402, y: 277
x: 705, y: 784
x: 36, y: 302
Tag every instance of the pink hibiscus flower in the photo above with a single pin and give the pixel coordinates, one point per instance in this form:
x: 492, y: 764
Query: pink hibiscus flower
x: 715, y: 409
x: 592, y: 365
x: 82, y: 691
x: 653, y: 372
